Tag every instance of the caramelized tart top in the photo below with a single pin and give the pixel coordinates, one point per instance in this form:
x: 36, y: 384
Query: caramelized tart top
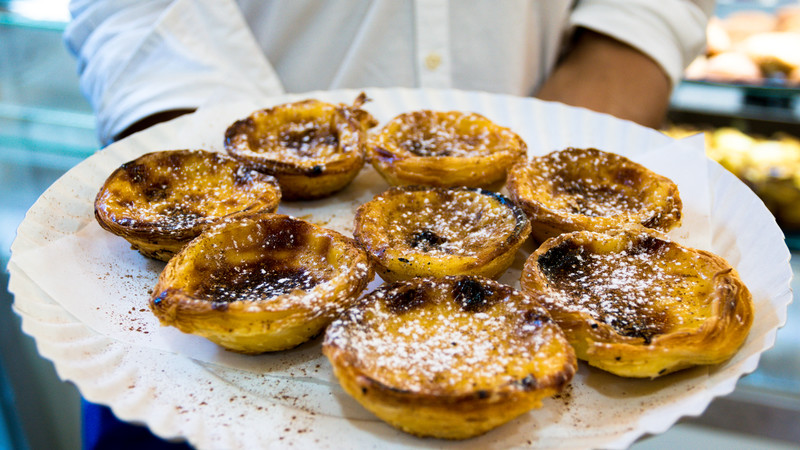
x: 308, y: 137
x: 638, y: 283
x: 440, y: 222
x: 175, y: 192
x: 267, y: 262
x: 444, y: 148
x: 452, y: 336
x: 594, y: 190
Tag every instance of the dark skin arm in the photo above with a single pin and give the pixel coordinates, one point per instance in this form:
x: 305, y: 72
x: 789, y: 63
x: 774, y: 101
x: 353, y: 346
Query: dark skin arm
x: 151, y: 120
x: 605, y: 75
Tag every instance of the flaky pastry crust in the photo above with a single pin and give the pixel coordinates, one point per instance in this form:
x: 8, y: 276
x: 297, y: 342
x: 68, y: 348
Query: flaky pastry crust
x: 589, y: 189
x: 636, y: 304
x: 445, y: 149
x: 313, y: 148
x: 162, y: 200
x: 414, y: 231
x: 451, y: 357
x: 260, y: 282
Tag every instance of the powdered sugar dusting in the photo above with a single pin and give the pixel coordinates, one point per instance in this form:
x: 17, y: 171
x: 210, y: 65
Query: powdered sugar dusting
x: 425, y: 336
x: 427, y: 133
x: 593, y: 183
x: 645, y: 289
x: 173, y: 191
x: 446, y: 222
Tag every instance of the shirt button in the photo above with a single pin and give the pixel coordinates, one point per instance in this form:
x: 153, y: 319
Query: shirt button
x: 433, y: 60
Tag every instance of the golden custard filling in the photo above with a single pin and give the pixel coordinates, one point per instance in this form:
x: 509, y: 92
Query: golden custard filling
x: 427, y: 133
x: 441, y: 223
x: 298, y: 135
x: 449, y: 357
x: 162, y: 200
x: 183, y: 190
x: 440, y: 231
x: 589, y: 189
x: 270, y: 261
x: 645, y: 289
x: 637, y: 304
x: 261, y: 282
x: 444, y: 148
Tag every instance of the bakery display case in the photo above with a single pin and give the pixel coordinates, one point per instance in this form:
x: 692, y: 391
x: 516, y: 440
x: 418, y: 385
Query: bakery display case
x: 744, y: 95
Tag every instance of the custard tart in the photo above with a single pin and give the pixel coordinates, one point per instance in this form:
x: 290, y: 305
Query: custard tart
x: 414, y: 231
x: 162, y: 200
x: 313, y: 148
x: 445, y: 149
x: 260, y: 282
x: 589, y: 189
x: 450, y: 357
x: 636, y: 304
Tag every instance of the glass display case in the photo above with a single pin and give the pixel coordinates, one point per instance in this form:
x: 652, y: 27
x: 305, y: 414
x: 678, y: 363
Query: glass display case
x: 46, y: 127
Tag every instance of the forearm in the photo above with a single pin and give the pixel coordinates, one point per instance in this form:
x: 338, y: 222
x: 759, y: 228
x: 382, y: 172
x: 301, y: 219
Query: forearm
x: 151, y: 120
x: 605, y: 75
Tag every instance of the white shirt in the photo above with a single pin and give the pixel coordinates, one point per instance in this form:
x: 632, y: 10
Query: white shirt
x: 139, y: 57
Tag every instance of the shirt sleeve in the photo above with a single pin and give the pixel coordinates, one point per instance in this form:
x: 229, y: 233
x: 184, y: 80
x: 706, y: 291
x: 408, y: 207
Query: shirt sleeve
x: 138, y: 58
x: 671, y: 32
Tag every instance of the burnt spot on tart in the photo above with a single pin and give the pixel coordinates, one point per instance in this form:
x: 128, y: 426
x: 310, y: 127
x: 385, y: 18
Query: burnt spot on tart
x: 535, y: 318
x: 137, y: 173
x: 472, y: 295
x: 254, y: 282
x: 402, y: 299
x: 426, y: 240
x: 284, y: 233
x: 304, y: 140
x: 648, y: 245
x: 561, y: 261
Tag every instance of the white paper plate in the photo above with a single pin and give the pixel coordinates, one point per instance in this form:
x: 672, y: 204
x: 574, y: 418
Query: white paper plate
x: 82, y: 294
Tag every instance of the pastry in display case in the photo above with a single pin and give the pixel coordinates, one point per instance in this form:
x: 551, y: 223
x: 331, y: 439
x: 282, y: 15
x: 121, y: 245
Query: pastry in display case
x: 752, y: 60
x: 752, y: 47
x: 768, y: 165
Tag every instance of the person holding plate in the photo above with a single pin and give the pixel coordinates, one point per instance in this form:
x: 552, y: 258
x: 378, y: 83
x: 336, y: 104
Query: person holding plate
x: 141, y: 63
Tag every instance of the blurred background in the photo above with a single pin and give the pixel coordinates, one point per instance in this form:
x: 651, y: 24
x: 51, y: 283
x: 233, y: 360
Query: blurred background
x: 743, y: 94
